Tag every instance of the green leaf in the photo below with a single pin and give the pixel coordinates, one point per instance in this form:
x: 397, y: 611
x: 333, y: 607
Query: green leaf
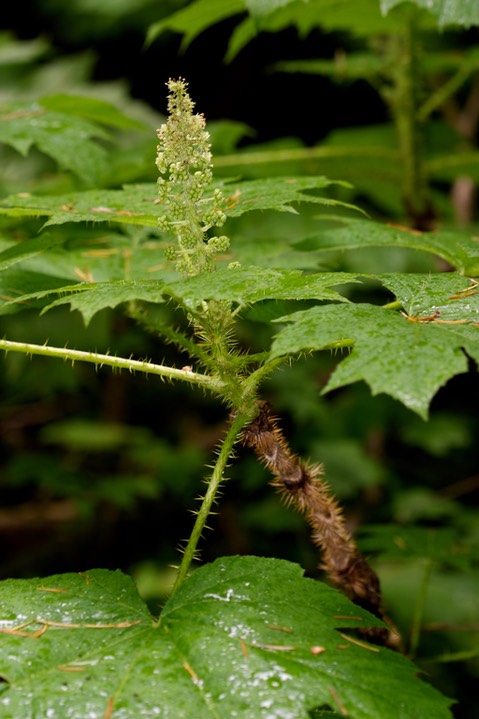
x: 92, y: 109
x: 90, y: 298
x: 257, y: 8
x: 196, y: 17
x: 65, y: 138
x: 138, y: 204
x: 459, y: 248
x: 408, y: 360
x: 254, y: 284
x: 28, y: 248
x: 244, y: 637
x: 447, y: 302
x: 362, y: 18
x: 95, y: 258
x: 446, y: 297
x: 244, y: 286
x: 448, y: 12
x: 134, y: 205
x: 277, y: 193
x: 15, y: 282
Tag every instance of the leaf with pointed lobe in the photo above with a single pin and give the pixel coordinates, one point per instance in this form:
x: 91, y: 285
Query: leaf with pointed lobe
x: 244, y: 637
x: 410, y: 361
x: 139, y: 205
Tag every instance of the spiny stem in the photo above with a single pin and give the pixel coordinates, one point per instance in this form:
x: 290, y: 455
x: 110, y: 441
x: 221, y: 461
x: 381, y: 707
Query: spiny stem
x: 302, y: 485
x: 186, y: 375
x: 240, y: 421
x: 176, y: 337
x: 402, y: 98
x: 256, y: 377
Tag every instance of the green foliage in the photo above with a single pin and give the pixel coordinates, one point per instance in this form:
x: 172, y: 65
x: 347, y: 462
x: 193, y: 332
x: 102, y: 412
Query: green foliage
x: 365, y: 17
x: 386, y: 299
x: 415, y: 354
x: 138, y: 204
x: 235, y: 285
x: 239, y: 638
x: 410, y: 361
x: 456, y: 12
x: 458, y: 248
x: 65, y: 130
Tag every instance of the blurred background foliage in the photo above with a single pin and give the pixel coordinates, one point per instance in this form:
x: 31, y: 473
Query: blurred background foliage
x: 102, y: 469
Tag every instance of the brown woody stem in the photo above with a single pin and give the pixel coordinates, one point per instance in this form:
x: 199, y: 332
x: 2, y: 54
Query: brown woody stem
x: 303, y: 486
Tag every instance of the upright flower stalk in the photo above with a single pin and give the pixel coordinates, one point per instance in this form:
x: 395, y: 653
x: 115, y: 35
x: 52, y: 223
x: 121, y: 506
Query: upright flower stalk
x: 184, y: 162
x: 192, y: 209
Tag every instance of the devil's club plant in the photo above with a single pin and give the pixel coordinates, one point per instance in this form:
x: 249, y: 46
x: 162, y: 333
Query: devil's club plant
x: 184, y: 161
x: 243, y: 637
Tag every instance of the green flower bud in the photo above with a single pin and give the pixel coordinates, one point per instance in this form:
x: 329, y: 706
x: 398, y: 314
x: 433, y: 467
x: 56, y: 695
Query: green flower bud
x: 170, y: 252
x: 218, y: 244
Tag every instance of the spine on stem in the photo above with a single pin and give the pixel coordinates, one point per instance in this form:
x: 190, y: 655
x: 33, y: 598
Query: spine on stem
x: 302, y: 486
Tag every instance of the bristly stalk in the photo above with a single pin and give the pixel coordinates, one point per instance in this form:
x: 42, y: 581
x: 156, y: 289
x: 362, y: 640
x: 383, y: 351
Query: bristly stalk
x: 118, y: 363
x: 403, y: 98
x: 217, y: 476
x: 302, y: 485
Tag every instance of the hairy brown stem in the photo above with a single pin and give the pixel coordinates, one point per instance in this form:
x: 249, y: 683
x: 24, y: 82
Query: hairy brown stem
x: 302, y: 485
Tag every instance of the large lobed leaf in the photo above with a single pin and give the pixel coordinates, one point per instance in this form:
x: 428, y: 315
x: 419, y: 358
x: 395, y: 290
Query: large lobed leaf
x: 244, y: 637
x: 243, y: 286
x: 254, y: 284
x: 134, y: 204
x: 277, y: 193
x: 90, y: 298
x: 410, y: 356
x: 363, y: 17
x: 443, y: 297
x: 458, y: 248
x: 138, y: 204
